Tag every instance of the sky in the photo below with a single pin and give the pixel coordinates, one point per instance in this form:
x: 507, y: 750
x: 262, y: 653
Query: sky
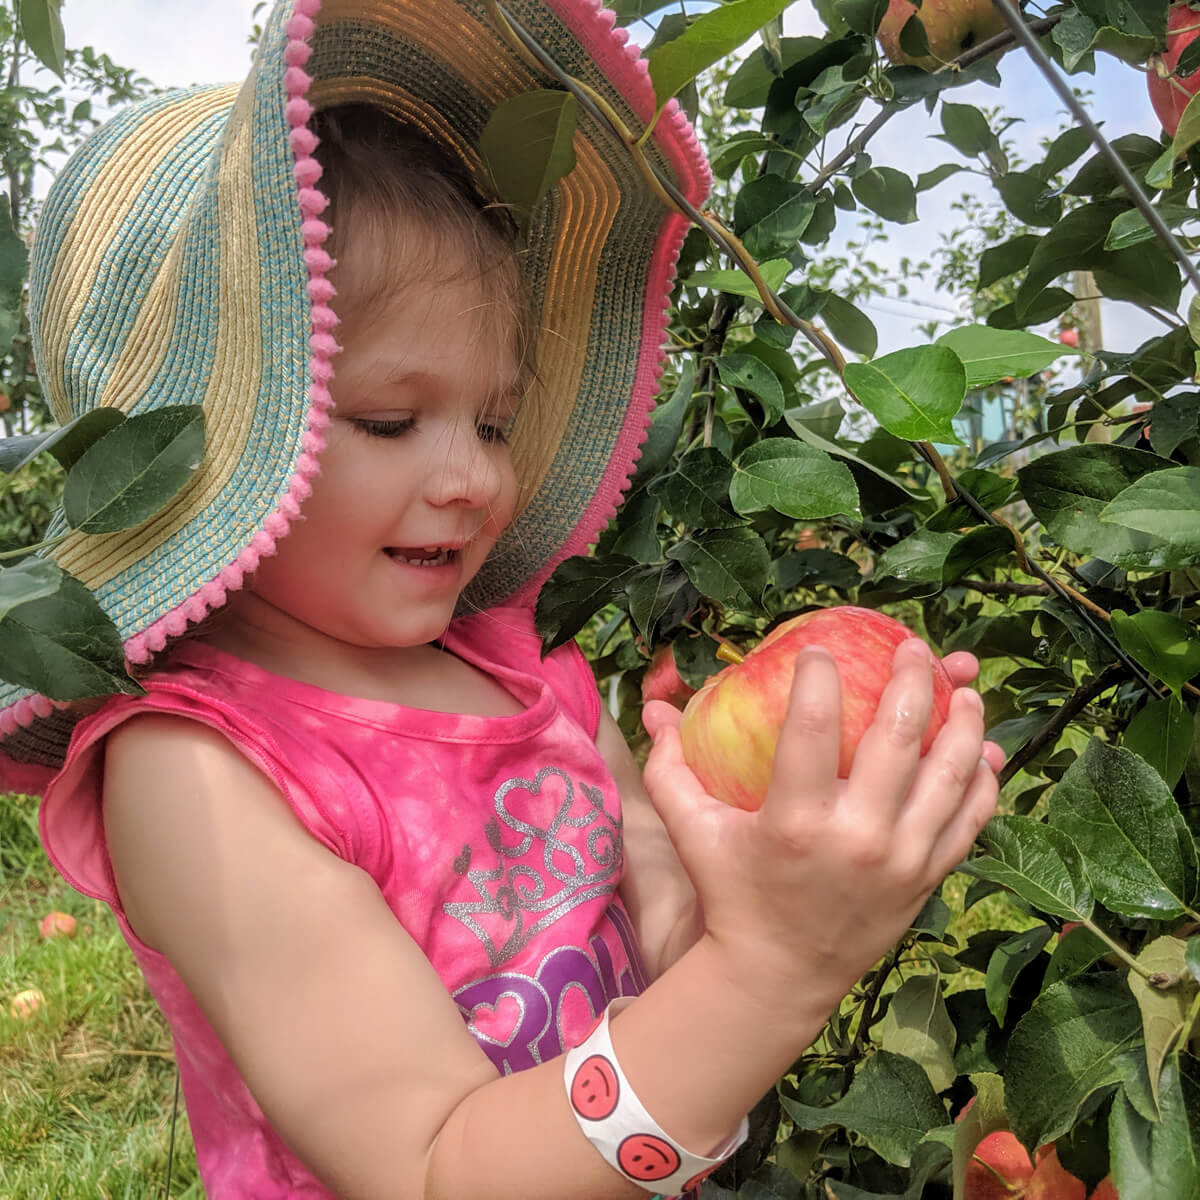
x: 172, y: 44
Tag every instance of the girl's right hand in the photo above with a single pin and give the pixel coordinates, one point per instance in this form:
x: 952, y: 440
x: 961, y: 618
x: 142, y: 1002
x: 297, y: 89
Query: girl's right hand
x: 815, y: 887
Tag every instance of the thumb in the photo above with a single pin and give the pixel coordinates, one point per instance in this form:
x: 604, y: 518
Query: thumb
x: 674, y: 790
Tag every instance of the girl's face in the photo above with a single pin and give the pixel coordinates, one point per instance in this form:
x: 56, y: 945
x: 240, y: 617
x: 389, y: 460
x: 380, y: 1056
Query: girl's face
x: 416, y: 479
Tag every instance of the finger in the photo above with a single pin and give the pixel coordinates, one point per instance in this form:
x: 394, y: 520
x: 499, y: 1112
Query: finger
x: 994, y: 756
x: 949, y: 769
x: 658, y: 714
x: 673, y: 787
x: 962, y: 667
x: 959, y: 834
x: 806, y: 755
x: 889, y: 754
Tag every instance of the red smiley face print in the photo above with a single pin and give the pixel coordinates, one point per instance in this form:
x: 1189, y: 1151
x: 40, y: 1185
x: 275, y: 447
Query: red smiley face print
x: 594, y: 1088
x: 644, y: 1156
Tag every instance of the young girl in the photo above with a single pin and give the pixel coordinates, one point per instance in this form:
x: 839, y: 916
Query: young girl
x: 389, y: 872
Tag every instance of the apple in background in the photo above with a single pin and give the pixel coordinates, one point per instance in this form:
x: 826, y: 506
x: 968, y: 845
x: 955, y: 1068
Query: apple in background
x: 57, y: 924
x: 951, y: 26
x: 1069, y: 337
x: 662, y: 682
x: 999, y: 1169
x: 1169, y: 96
x: 25, y: 1004
x: 1105, y: 1190
x: 730, y: 727
x: 1052, y: 1181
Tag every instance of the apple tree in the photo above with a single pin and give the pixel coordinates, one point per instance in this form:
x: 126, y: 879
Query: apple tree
x: 1037, y: 1028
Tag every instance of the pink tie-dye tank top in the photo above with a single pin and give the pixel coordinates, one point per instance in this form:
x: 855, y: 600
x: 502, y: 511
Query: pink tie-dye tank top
x: 496, y: 841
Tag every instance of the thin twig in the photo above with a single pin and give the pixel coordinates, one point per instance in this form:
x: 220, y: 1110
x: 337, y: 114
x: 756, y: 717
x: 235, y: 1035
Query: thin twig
x: 1063, y: 716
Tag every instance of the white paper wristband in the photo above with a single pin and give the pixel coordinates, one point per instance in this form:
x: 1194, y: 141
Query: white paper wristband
x: 616, y: 1122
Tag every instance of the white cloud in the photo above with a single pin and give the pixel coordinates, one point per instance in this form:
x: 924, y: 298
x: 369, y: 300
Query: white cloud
x: 171, y: 42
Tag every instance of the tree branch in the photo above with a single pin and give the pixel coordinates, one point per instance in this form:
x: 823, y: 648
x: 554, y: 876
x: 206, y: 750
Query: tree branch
x: 1005, y: 587
x: 1063, y: 716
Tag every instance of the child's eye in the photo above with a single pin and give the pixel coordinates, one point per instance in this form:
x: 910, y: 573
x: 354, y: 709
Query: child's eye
x: 493, y: 433
x: 384, y: 429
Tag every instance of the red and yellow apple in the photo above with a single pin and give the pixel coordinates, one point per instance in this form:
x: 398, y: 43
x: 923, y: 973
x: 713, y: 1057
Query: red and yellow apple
x: 999, y: 1168
x: 731, y: 726
x: 662, y: 681
x: 57, y: 924
x: 1169, y: 95
x: 1069, y: 337
x: 951, y: 27
x: 24, y: 1004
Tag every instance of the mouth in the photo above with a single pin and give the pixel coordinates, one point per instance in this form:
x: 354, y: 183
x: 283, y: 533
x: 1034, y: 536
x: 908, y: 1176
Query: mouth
x: 423, y: 556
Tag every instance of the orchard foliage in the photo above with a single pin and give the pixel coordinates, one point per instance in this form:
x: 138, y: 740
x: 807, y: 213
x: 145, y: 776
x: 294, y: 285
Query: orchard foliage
x: 1056, y: 978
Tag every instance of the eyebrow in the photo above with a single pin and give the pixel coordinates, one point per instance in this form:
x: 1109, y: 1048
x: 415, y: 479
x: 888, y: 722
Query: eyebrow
x: 511, y: 393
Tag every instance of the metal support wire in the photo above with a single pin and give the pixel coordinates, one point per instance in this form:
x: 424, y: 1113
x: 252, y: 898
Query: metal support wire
x: 1024, y: 35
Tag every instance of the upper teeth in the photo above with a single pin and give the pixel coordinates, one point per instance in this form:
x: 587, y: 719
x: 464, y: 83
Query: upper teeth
x: 440, y: 557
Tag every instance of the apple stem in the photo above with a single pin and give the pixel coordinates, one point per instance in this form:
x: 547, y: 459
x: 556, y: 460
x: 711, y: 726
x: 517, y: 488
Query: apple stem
x: 1014, y: 1189
x: 1120, y: 951
x: 730, y: 654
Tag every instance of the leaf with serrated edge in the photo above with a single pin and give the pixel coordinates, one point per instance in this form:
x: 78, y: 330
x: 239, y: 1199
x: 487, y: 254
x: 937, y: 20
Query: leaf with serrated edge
x: 1167, y: 507
x: 918, y: 558
x: 1166, y: 645
x: 1164, y: 1009
x: 891, y: 1104
x: 1159, y: 1159
x: 794, y: 479
x: 917, y: 1026
x: 993, y: 354
x: 1081, y: 1035
x: 1038, y: 863
x: 914, y: 393
x: 1124, y: 821
x: 1008, y: 960
x: 727, y: 565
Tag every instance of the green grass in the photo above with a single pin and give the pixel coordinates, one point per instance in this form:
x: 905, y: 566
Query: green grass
x: 87, y: 1083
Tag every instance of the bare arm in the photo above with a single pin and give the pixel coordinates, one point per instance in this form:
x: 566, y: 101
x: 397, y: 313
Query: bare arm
x: 359, y: 1057
x: 655, y: 889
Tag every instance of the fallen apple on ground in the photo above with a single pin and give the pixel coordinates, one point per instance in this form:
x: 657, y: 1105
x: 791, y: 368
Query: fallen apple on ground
x: 57, y: 924
x: 25, y: 1004
x: 1169, y: 95
x: 730, y: 727
x: 951, y: 27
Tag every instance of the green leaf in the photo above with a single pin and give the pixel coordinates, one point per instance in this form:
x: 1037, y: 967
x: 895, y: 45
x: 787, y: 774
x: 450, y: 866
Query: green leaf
x: 738, y: 283
x: 1040, y: 864
x: 1008, y: 960
x: 652, y: 590
x: 665, y: 428
x: 1045, y: 306
x: 976, y: 549
x: 1152, y: 1160
x: 727, y: 565
x: 1127, y: 826
x: 770, y: 214
x: 14, y: 261
x: 888, y: 193
x: 1070, y: 489
x: 918, y: 558
x: 917, y: 1026
x: 61, y: 644
x: 1164, y: 1009
x: 999, y: 262
x: 1187, y: 133
x: 528, y: 145
x: 967, y: 129
x: 912, y: 393
x: 1028, y: 197
x: 993, y: 354
x: 863, y: 16
x: 914, y: 41
x: 1074, y: 243
x: 29, y: 580
x: 1165, y: 645
x: 1080, y: 1036
x: 1176, y: 418
x: 1077, y: 949
x: 890, y: 1104
x: 751, y: 374
x: 578, y: 588
x: 711, y: 37
x: 1064, y: 150
x: 1129, y: 29
x: 1097, y: 177
x: 67, y: 443
x: 135, y: 469
x: 794, y: 479
x: 1162, y: 732
x: 930, y: 179
x: 697, y: 491
x: 1166, y: 506
x: 1131, y: 228
x: 42, y: 28
x: 986, y: 1116
x: 850, y: 326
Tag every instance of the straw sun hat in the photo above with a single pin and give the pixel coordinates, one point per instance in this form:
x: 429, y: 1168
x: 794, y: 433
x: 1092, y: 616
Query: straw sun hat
x: 179, y: 260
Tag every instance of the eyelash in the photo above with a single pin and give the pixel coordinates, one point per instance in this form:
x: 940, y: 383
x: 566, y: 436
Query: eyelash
x: 494, y: 434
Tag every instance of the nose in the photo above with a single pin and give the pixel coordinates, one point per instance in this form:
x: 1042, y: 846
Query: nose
x: 464, y: 469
